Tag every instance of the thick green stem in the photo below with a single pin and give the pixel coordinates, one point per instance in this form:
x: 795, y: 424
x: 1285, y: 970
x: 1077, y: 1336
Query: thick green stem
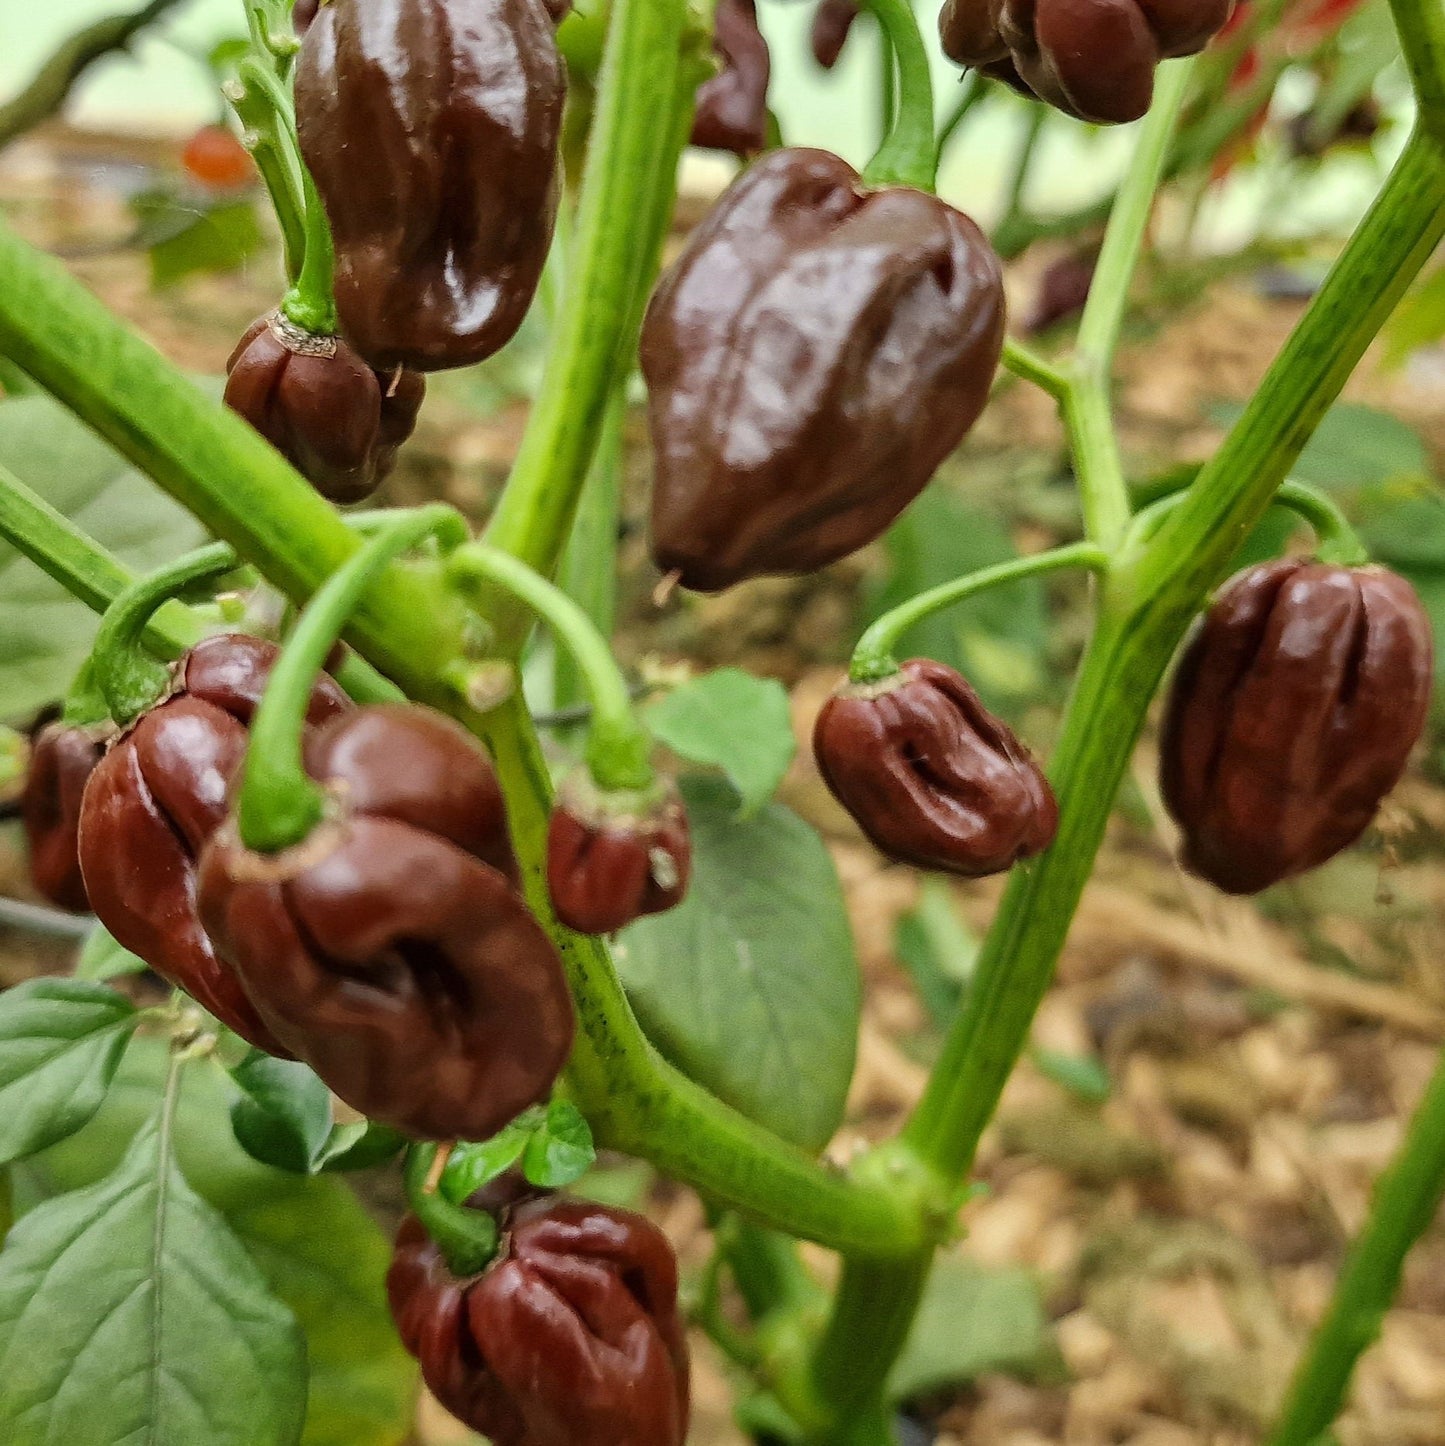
x: 873, y: 658
x: 279, y: 803
x: 1152, y: 595
x: 627, y: 186
x: 311, y: 302
x: 129, y: 678
x: 619, y: 748
x: 1421, y: 26
x: 467, y: 1238
x: 909, y: 153
x: 1406, y: 1199
x: 214, y: 464
x: 637, y: 1103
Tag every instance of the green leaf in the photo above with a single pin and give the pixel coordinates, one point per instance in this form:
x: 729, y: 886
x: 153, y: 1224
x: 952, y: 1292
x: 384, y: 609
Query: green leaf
x: 938, y: 949
x: 1083, y: 1075
x: 183, y: 239
x: 321, y: 1252
x: 997, y: 640
x: 61, y: 1041
x: 101, y: 957
x: 1404, y: 526
x: 972, y: 1321
x: 361, y: 1145
x: 14, y: 758
x: 129, y: 1312
x: 750, y: 985
x: 731, y: 720
x: 560, y: 1150
x: 283, y: 1117
x: 47, y: 634
x: 473, y: 1165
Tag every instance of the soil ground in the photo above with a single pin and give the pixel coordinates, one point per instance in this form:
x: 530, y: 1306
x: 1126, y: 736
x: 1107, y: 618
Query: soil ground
x: 1264, y: 1059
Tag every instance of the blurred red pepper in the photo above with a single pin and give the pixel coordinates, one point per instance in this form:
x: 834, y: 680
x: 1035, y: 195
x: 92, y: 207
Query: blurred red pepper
x: 218, y: 160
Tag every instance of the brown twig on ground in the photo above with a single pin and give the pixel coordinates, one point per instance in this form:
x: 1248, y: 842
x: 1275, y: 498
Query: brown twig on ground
x: 54, y: 80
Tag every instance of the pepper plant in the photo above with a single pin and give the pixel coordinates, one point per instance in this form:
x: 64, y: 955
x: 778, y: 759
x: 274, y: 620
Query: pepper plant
x: 351, y: 853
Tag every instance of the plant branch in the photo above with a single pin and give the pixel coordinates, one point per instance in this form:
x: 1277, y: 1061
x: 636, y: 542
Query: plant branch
x: 1406, y: 1198
x: 1421, y: 26
x: 56, y: 78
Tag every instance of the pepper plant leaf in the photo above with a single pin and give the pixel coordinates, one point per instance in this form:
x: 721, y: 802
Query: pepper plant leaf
x: 750, y: 985
x: 129, y: 1312
x: 61, y: 1041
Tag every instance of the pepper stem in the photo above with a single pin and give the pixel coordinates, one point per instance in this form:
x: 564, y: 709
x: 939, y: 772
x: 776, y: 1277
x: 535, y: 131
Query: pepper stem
x: 263, y: 109
x: 311, y: 302
x: 279, y: 804
x: 873, y: 658
x: 129, y: 678
x: 909, y: 154
x: 467, y: 1239
x: 618, y: 746
x: 1336, y: 540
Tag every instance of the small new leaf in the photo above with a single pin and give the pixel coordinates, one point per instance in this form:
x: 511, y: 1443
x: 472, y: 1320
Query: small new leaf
x: 60, y: 1043
x: 129, y: 1313
x: 560, y: 1150
x: 732, y: 721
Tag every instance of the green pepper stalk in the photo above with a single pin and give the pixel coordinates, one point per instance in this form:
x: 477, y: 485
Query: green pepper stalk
x: 618, y: 746
x: 909, y: 153
x: 279, y: 804
x: 311, y: 301
x: 873, y: 658
x: 263, y: 109
x: 467, y: 1239
x: 129, y: 678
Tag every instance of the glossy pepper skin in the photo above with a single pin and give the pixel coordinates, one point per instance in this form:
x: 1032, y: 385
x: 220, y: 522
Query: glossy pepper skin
x: 431, y: 128
x: 931, y: 776
x: 1092, y: 59
x: 390, y: 950
x: 62, y: 758
x: 1292, y: 714
x: 156, y: 798
x: 325, y: 410
x: 732, y: 106
x: 608, y: 865
x: 815, y: 353
x: 571, y: 1337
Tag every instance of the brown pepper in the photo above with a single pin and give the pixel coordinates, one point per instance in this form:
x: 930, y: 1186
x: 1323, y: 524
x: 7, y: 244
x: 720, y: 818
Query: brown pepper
x: 153, y: 802
x: 1292, y: 714
x: 931, y: 776
x: 1092, y: 59
x: 732, y: 106
x: 62, y: 758
x: 390, y: 950
x: 612, y: 860
x: 338, y: 422
x: 571, y: 1337
x: 832, y: 25
x: 815, y: 353
x: 431, y: 128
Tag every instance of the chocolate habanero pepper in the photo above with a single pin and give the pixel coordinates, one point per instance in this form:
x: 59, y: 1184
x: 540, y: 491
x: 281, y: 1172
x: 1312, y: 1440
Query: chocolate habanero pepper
x: 1093, y: 59
x: 389, y: 949
x: 431, y: 129
x: 611, y: 858
x: 156, y: 798
x: 570, y: 1337
x: 732, y: 106
x: 832, y: 24
x: 1291, y: 716
x: 931, y: 776
x: 338, y: 422
x: 62, y: 758
x: 815, y: 353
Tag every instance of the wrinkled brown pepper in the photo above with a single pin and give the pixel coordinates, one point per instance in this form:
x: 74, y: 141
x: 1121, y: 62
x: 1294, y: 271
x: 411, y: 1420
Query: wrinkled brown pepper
x: 1291, y: 716
x: 816, y: 352
x: 1093, y: 59
x: 338, y: 422
x: 931, y: 776
x: 431, y: 128
x: 390, y: 950
x: 732, y: 106
x: 832, y: 25
x: 606, y: 869
x: 571, y: 1337
x: 62, y: 758
x: 156, y: 798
